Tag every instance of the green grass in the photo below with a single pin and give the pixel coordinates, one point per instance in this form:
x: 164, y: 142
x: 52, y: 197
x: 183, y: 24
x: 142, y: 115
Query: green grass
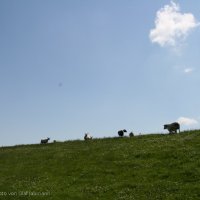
x: 143, y: 167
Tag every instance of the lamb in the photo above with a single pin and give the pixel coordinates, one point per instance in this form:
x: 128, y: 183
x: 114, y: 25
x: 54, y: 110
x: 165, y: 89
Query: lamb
x: 131, y: 134
x: 44, y: 141
x: 87, y: 136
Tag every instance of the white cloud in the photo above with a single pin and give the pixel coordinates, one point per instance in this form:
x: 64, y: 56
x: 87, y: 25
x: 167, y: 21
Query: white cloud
x: 187, y: 121
x: 188, y: 70
x: 171, y: 25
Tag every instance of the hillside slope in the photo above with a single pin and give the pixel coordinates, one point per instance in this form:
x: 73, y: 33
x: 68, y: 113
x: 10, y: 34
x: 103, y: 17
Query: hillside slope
x: 143, y: 167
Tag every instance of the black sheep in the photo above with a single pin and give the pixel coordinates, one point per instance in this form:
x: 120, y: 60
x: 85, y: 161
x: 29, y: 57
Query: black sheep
x: 44, y: 141
x: 121, y: 132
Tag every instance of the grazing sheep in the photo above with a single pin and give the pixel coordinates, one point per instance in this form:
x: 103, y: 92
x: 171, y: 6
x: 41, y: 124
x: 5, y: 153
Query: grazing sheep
x: 44, y: 141
x: 173, y: 127
x: 121, y: 132
x: 131, y: 134
x: 87, y: 136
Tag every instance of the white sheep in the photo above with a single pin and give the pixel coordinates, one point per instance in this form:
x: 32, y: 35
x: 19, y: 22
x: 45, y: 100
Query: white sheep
x: 87, y: 136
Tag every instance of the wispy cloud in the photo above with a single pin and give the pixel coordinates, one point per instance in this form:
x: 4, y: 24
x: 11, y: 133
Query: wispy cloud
x: 187, y: 121
x: 188, y: 70
x: 172, y: 26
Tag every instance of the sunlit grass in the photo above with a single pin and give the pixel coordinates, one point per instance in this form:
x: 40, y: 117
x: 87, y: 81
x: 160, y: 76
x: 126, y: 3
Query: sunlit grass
x: 142, y: 167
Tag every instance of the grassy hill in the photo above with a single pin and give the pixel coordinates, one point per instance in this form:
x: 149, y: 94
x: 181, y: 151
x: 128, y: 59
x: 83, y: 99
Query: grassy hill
x: 143, y: 167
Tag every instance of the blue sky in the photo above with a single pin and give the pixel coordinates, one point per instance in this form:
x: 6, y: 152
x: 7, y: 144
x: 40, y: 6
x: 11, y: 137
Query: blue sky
x: 70, y: 67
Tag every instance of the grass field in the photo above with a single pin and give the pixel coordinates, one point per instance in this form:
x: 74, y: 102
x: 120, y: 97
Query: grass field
x: 144, y: 167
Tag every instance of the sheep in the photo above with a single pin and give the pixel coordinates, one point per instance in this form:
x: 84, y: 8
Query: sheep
x: 131, y: 134
x: 173, y: 127
x: 87, y: 136
x: 44, y: 141
x: 121, y: 132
